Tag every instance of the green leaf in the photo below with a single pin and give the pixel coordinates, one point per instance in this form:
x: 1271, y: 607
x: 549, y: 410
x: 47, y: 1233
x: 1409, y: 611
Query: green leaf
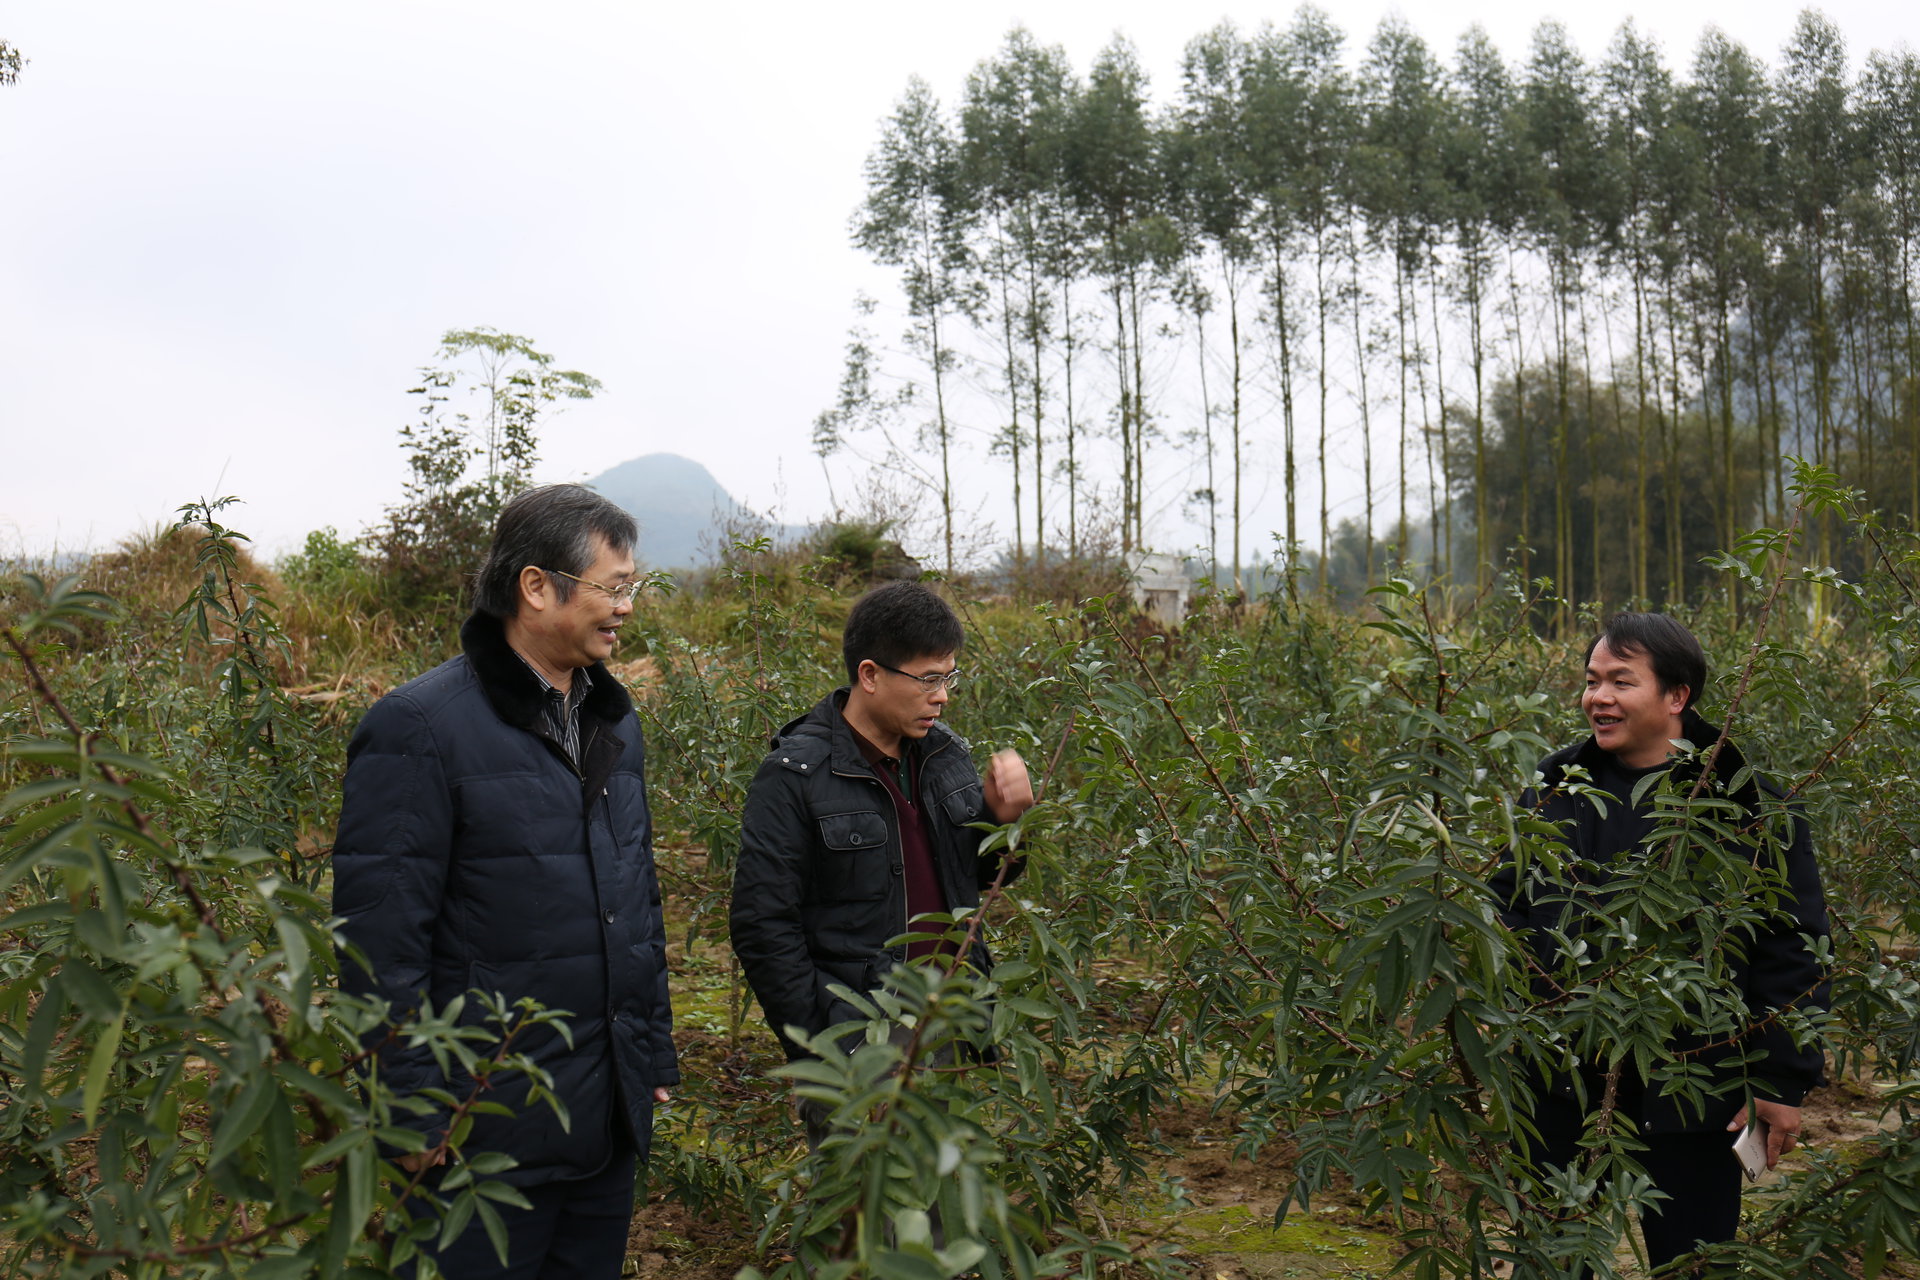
x: 243, y: 1115
x: 100, y: 1068
x: 495, y: 1228
x: 459, y: 1214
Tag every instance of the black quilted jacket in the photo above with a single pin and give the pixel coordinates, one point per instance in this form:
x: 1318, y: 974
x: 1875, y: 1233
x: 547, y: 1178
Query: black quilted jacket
x: 819, y: 888
x: 1774, y: 969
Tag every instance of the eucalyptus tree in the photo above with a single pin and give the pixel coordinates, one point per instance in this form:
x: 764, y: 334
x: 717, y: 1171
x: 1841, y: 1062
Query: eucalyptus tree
x: 1479, y: 162
x: 1724, y: 108
x: 1638, y: 96
x: 1569, y: 186
x: 1211, y: 181
x: 916, y: 218
x: 1272, y: 141
x: 1816, y: 137
x: 1013, y: 121
x: 1860, y: 317
x: 1302, y: 68
x: 1890, y: 118
x: 1403, y: 105
x: 1114, y: 181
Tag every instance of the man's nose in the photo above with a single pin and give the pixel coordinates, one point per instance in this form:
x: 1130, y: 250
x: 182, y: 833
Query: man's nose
x: 940, y: 694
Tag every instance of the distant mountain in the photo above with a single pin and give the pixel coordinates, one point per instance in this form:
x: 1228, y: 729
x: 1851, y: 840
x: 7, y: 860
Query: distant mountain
x: 681, y: 508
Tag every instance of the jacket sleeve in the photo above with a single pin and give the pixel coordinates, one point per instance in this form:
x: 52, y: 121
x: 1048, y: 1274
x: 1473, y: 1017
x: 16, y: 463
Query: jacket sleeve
x: 390, y: 859
x: 1784, y: 973
x: 764, y: 916
x: 665, y: 1068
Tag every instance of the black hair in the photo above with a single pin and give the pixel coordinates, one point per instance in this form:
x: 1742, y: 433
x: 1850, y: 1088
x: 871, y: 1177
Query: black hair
x: 554, y: 527
x: 1672, y: 651
x: 896, y: 623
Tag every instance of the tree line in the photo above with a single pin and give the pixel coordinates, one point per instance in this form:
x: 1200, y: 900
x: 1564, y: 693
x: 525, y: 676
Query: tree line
x: 1584, y: 308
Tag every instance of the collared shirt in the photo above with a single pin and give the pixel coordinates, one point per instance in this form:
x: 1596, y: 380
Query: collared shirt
x: 560, y: 712
x: 901, y: 777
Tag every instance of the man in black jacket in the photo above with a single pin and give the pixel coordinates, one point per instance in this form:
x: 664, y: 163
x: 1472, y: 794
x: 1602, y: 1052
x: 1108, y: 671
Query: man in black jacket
x: 1643, y: 676
x: 494, y: 835
x: 859, y: 819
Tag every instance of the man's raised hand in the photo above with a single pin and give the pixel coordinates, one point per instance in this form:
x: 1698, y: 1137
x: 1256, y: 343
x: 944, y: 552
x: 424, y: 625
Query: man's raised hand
x: 1008, y: 789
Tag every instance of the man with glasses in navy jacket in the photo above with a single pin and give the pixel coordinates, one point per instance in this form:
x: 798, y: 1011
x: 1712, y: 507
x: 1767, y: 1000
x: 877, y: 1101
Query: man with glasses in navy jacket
x: 494, y: 836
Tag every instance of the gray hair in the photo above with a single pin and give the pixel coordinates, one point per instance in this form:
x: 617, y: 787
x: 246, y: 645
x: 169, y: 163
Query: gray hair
x: 553, y: 527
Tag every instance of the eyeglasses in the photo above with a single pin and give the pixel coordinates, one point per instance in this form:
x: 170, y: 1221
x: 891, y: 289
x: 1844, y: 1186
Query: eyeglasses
x: 931, y: 681
x: 622, y: 594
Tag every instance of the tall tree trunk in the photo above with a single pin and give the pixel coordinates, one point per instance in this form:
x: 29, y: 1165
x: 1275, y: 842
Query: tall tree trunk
x: 1073, y: 427
x: 1123, y: 371
x: 1676, y: 563
x: 1431, y: 413
x: 1360, y: 377
x: 1642, y: 396
x: 1400, y: 325
x: 1322, y: 304
x: 1477, y: 355
x: 1233, y: 324
x: 1559, y: 272
x: 944, y: 431
x: 1139, y: 409
x: 1206, y: 430
x: 1595, y: 589
x: 1521, y: 425
x: 1039, y: 402
x: 1013, y: 393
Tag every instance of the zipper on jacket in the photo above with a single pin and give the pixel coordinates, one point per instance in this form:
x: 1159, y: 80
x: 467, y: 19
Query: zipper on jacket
x: 892, y: 820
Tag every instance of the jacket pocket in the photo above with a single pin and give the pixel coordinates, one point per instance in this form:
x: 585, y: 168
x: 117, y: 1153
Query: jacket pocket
x: 853, y: 862
x: 965, y: 804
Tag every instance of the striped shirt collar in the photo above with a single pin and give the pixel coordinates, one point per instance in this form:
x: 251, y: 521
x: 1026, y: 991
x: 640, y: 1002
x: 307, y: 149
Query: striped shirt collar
x: 560, y: 712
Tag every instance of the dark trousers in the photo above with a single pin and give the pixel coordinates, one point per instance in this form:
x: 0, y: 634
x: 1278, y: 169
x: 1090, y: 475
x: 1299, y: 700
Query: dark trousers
x: 575, y: 1230
x: 1697, y: 1171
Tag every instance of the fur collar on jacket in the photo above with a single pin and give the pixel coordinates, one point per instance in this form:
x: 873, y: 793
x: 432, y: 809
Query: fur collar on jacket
x: 511, y: 687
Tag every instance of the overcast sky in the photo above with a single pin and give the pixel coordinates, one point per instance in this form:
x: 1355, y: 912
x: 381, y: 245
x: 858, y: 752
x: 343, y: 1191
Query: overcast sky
x: 230, y: 230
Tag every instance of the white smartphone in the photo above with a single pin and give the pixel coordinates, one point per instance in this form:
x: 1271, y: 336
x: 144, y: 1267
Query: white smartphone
x: 1751, y: 1147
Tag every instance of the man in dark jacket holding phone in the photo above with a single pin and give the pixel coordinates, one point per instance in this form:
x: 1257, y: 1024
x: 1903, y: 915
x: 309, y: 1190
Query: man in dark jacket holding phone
x: 860, y: 819
x: 1643, y: 675
x: 494, y: 836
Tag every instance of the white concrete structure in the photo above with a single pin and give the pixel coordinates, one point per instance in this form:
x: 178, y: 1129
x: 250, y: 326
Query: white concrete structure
x: 1161, y: 587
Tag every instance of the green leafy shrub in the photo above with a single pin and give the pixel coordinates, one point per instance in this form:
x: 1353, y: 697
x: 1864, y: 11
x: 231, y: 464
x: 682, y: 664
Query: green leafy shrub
x: 181, y: 1092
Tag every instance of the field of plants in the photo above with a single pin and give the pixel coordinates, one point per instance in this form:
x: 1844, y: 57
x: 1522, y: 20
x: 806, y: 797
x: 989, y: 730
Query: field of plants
x: 1255, y: 1014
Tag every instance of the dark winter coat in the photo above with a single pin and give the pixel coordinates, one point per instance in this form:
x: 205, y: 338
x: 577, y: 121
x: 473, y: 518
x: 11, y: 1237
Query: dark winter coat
x: 1775, y: 970
x: 820, y: 887
x: 472, y: 854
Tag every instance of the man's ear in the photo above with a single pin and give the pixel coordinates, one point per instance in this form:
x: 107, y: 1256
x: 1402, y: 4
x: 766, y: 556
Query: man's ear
x: 1678, y: 697
x: 535, y: 591
x: 866, y: 676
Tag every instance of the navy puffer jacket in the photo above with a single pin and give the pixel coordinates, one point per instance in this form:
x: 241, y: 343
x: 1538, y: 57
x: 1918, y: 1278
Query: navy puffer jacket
x: 472, y: 854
